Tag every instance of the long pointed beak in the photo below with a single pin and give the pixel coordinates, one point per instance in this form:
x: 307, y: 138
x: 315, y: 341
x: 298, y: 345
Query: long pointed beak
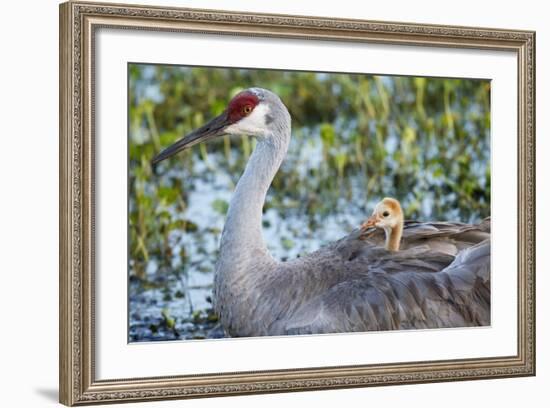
x: 216, y: 127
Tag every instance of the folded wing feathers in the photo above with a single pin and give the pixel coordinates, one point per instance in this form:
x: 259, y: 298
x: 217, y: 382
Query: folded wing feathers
x: 412, y: 289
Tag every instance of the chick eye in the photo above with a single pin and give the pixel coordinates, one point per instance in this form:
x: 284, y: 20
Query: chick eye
x: 385, y: 213
x: 247, y: 109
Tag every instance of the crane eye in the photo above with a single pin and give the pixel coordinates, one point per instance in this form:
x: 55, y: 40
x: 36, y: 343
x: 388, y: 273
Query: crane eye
x: 247, y: 109
x: 385, y: 213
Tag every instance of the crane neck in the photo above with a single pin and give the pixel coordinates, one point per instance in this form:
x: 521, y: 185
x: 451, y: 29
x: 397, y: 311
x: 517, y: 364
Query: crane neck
x: 242, y: 239
x: 393, y: 237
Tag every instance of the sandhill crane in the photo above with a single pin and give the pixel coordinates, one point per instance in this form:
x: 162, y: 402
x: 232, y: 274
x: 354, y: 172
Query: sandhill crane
x: 388, y: 216
x: 440, y: 277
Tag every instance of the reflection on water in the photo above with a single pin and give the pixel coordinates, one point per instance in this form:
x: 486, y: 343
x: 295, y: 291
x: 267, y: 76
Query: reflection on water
x: 433, y: 156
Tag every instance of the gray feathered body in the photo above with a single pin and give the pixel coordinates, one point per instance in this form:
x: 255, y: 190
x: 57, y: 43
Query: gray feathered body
x: 440, y: 278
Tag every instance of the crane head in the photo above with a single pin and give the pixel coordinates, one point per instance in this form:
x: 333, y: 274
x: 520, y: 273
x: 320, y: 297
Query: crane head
x: 248, y: 113
x: 386, y: 214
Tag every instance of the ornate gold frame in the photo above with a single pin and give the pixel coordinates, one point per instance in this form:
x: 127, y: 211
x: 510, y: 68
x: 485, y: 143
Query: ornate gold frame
x: 78, y: 22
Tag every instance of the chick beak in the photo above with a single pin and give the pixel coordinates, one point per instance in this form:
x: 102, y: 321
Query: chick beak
x: 370, y: 222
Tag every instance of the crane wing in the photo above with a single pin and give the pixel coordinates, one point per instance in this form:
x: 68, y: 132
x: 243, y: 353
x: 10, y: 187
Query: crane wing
x: 414, y: 289
x: 440, y: 279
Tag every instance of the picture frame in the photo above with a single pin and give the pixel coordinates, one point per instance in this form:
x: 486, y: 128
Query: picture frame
x: 79, y: 25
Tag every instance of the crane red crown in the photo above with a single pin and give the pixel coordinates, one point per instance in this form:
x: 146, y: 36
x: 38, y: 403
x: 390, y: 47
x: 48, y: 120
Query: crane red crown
x: 242, y: 105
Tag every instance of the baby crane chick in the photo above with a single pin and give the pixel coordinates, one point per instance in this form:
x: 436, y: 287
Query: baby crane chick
x: 387, y: 215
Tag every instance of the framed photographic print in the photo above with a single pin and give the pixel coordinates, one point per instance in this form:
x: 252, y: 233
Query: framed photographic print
x: 261, y: 203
